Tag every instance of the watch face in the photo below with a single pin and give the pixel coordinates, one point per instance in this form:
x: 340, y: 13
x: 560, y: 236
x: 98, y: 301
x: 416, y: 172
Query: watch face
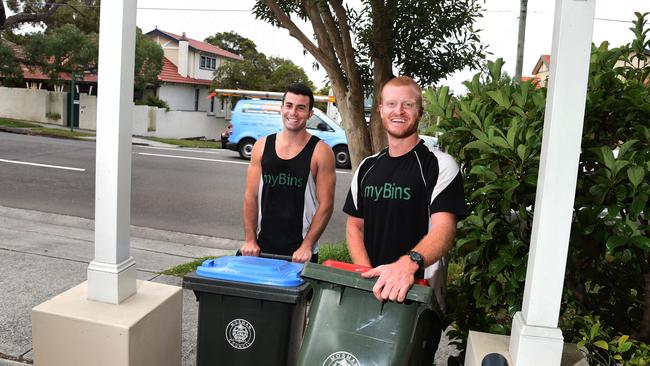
x: 417, y: 258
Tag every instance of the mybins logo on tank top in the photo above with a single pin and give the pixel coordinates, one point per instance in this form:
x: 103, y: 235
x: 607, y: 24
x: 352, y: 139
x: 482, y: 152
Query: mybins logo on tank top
x: 388, y: 191
x: 282, y: 179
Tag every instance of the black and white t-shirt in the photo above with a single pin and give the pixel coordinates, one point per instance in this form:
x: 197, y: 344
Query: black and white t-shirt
x: 287, y: 199
x: 395, y: 196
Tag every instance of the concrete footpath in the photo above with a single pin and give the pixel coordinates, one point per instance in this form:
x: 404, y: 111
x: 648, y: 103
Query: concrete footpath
x: 43, y: 254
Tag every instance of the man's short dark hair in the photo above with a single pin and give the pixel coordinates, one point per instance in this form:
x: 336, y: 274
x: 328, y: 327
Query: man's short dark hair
x: 300, y: 89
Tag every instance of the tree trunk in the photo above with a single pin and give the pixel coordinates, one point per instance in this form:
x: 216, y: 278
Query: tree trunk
x: 336, y: 54
x: 382, y: 70
x: 351, y: 110
x: 377, y: 132
x: 3, y: 15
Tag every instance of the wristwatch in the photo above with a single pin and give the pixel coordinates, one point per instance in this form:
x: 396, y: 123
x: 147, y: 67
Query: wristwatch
x: 417, y: 258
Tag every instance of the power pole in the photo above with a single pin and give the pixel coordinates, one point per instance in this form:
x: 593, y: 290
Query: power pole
x: 523, y: 10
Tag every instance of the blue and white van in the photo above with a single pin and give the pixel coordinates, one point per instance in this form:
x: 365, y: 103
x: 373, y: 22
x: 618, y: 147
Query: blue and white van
x: 253, y: 119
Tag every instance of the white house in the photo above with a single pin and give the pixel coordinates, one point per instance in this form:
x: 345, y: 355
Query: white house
x: 188, y: 69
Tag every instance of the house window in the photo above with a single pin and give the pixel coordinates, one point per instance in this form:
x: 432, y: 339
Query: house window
x: 208, y: 63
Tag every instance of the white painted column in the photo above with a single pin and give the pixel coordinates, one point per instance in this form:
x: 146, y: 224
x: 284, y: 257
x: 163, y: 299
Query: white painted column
x: 535, y: 338
x: 112, y: 275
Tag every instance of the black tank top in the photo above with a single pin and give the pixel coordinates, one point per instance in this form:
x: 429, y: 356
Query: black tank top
x: 286, y: 200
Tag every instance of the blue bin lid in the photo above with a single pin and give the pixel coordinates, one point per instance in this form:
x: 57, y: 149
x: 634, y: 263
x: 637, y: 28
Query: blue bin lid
x: 262, y: 271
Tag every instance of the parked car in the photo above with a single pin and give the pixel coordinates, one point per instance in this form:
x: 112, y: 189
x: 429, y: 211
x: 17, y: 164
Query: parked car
x: 253, y: 119
x: 431, y: 142
x: 225, y: 135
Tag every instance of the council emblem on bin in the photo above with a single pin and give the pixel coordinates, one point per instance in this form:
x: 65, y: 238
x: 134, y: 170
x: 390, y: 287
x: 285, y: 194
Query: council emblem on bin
x: 240, y: 334
x: 341, y: 359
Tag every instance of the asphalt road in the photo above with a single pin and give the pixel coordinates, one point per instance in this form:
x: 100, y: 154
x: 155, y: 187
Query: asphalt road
x: 185, y: 190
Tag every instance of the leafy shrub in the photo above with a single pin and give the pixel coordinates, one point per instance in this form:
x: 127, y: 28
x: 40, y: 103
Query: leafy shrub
x: 601, y: 349
x: 153, y: 101
x: 608, y: 271
x: 495, y: 132
x: 53, y: 116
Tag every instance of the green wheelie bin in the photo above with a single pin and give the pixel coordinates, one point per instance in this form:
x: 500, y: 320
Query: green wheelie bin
x: 348, y: 326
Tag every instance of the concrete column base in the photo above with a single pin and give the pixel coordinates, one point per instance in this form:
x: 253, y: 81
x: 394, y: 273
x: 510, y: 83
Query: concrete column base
x: 111, y: 283
x: 535, y: 345
x: 144, y: 330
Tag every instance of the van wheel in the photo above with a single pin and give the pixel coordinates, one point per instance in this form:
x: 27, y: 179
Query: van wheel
x: 246, y: 148
x: 342, y: 156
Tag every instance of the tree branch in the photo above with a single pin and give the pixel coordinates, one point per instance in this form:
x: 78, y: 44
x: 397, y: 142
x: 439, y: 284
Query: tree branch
x: 347, y: 54
x: 325, y: 29
x: 295, y: 32
x: 324, y: 40
x: 48, y: 11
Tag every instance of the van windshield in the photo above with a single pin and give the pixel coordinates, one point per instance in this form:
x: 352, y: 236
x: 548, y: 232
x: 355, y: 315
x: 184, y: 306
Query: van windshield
x: 314, y: 121
x: 325, y: 117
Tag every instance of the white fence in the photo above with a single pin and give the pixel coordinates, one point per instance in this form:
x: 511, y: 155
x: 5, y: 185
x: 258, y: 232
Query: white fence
x: 37, y: 105
x: 33, y: 105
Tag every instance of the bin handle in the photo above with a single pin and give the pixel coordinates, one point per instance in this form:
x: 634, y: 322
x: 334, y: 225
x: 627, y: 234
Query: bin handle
x: 270, y: 256
x: 342, y: 277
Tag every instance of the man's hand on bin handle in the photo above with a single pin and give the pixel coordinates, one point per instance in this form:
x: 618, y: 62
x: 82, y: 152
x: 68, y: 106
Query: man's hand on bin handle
x: 250, y: 248
x: 302, y: 254
x: 395, y: 279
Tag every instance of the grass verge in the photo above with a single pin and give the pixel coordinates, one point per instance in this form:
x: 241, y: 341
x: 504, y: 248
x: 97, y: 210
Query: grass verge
x: 36, y: 129
x: 185, y: 268
x: 188, y: 143
x: 337, y: 251
x: 56, y: 132
x: 16, y: 124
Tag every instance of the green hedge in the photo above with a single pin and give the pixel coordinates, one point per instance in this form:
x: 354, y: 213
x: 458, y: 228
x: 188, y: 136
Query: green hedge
x: 495, y: 132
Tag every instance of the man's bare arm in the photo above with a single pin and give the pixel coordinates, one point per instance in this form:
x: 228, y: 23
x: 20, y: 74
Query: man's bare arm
x: 395, y: 279
x: 440, y: 238
x: 250, y: 246
x: 354, y: 236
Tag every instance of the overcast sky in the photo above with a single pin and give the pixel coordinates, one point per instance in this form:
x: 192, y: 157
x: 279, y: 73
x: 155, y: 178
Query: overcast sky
x: 499, y: 28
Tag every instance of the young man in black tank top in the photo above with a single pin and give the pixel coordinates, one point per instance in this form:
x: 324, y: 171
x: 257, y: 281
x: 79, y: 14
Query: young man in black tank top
x: 403, y: 205
x: 289, y: 194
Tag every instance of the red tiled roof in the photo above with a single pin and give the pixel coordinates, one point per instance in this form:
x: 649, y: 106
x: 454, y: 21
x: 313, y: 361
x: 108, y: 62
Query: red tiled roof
x: 535, y: 80
x: 543, y: 59
x: 35, y: 73
x: 169, y: 74
x: 202, y: 46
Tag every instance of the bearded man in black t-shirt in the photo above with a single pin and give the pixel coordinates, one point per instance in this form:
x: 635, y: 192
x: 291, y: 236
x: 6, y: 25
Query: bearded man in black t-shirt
x: 403, y: 205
